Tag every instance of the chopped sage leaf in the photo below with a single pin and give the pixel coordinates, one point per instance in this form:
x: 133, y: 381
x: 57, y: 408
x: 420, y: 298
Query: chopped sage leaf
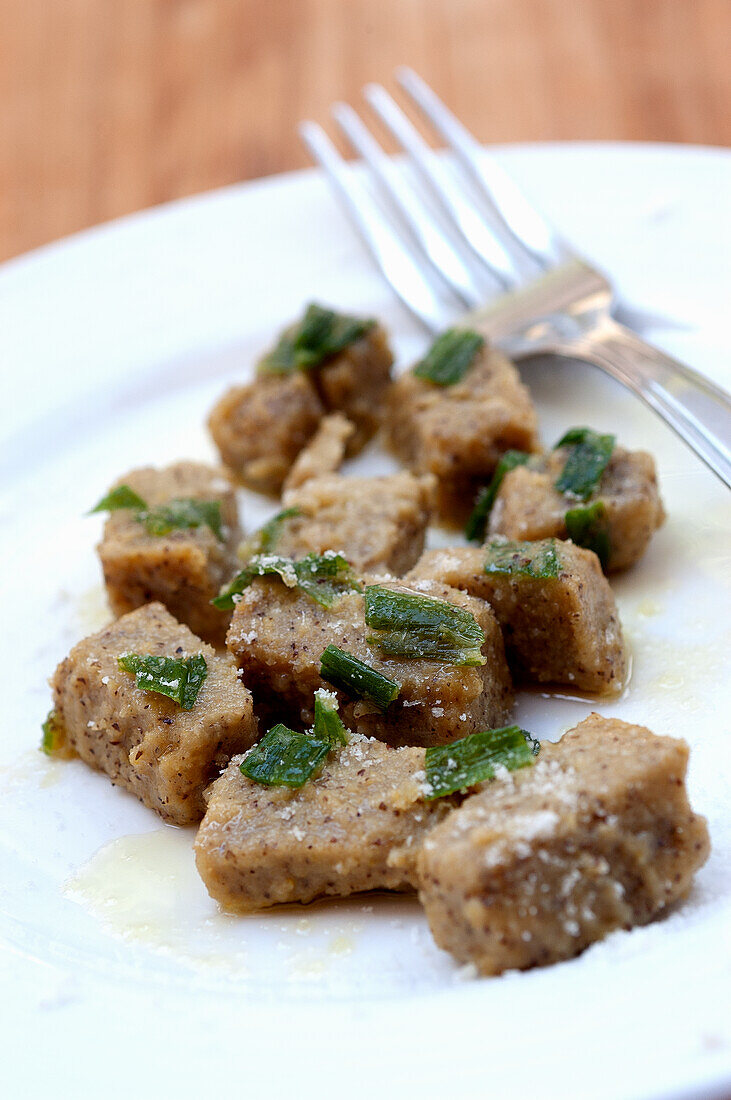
x: 355, y: 677
x: 411, y: 625
x: 265, y: 539
x: 320, y: 334
x: 473, y: 759
x: 530, y: 559
x: 323, y: 577
x: 54, y: 742
x: 260, y: 566
x: 326, y: 577
x: 285, y: 758
x: 116, y: 499
x: 183, y: 512
x: 587, y: 460
x: 450, y: 356
x: 328, y: 725
x: 179, y: 513
x: 477, y: 523
x: 288, y: 758
x: 179, y: 678
x: 587, y: 525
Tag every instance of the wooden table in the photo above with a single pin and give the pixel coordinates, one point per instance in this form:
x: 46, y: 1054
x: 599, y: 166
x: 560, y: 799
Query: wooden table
x: 107, y: 106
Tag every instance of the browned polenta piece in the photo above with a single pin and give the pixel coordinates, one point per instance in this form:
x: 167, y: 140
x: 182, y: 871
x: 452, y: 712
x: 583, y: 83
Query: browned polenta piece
x: 184, y: 568
x: 260, y: 428
x: 357, y: 826
x: 459, y: 432
x: 355, y: 383
x: 597, y: 835
x: 278, y: 635
x: 377, y: 523
x: 562, y: 629
x: 324, y: 454
x: 144, y: 741
x: 528, y: 506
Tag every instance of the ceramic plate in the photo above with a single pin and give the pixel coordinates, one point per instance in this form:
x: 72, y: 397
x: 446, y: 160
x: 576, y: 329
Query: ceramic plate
x: 118, y: 972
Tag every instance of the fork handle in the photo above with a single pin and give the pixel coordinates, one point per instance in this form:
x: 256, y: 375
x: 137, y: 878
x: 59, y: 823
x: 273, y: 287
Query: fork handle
x: 693, y: 406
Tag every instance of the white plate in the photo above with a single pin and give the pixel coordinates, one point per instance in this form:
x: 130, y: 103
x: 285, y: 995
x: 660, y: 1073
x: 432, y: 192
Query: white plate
x: 116, y: 968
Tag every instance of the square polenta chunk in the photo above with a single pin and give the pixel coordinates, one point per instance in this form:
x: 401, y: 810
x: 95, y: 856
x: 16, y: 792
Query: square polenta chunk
x: 260, y: 428
x: 597, y: 835
x: 556, y: 610
x: 279, y: 634
x: 355, y: 383
x: 528, y: 506
x: 183, y: 568
x: 324, y: 454
x: 377, y: 523
x: 458, y: 432
x: 143, y: 740
x: 356, y: 826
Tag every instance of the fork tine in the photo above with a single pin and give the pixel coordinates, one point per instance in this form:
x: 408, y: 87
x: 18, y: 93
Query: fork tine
x: 475, y: 232
x: 524, y: 224
x: 395, y: 260
x: 446, y: 262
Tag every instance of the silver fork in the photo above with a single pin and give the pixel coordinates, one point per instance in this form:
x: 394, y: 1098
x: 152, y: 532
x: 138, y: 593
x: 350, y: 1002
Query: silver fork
x: 468, y: 246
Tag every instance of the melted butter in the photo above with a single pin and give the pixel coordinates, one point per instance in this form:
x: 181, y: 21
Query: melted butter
x: 307, y: 966
x: 312, y: 963
x: 679, y: 643
x: 681, y: 670
x: 32, y: 767
x: 341, y: 945
x: 145, y: 888
x: 92, y: 609
x: 53, y: 773
x: 649, y: 608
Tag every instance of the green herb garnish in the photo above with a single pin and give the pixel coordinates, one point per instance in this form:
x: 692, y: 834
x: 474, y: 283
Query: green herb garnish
x: 355, y: 677
x: 326, y: 577
x: 53, y: 741
x: 328, y: 725
x: 183, y: 512
x: 285, y: 758
x: 411, y: 625
x: 179, y: 678
x: 530, y: 559
x: 116, y: 499
x: 473, y: 759
x: 265, y: 539
x: 586, y: 462
x: 477, y: 523
x: 320, y: 334
x: 450, y: 356
x: 587, y: 525
x: 323, y: 577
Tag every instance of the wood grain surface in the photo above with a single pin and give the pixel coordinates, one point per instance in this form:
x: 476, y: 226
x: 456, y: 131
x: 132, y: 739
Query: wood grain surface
x: 107, y: 106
